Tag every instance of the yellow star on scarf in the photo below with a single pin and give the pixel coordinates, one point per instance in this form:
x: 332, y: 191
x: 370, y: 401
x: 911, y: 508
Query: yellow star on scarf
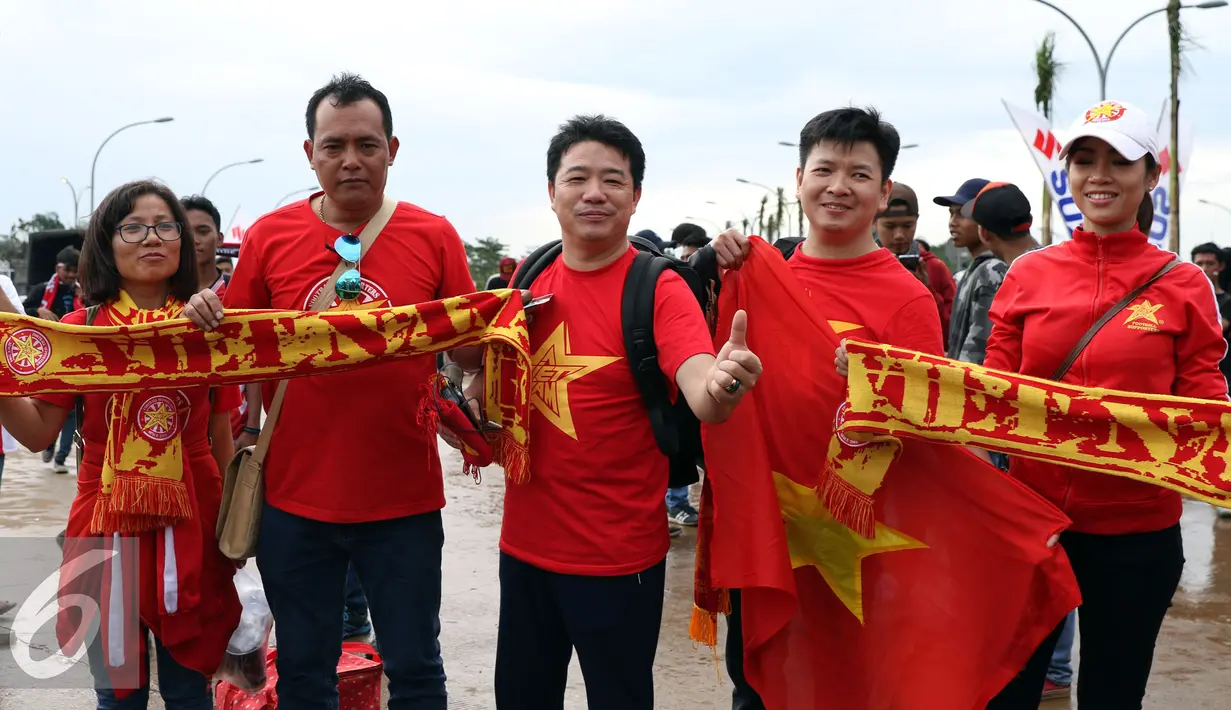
x: 814, y: 538
x: 27, y: 353
x: 159, y: 418
x: 1143, y: 311
x: 553, y: 367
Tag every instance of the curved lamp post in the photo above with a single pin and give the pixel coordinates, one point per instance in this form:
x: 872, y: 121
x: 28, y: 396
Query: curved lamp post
x: 1102, y: 65
x: 94, y: 164
x: 291, y: 194
x: 230, y: 165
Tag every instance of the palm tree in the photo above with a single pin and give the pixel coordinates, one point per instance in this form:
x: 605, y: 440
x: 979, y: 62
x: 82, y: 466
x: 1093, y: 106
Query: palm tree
x: 1175, y: 30
x: 761, y: 215
x: 1047, y: 68
x: 780, y: 213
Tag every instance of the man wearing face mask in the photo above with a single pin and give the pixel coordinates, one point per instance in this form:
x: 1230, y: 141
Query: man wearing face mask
x: 351, y: 478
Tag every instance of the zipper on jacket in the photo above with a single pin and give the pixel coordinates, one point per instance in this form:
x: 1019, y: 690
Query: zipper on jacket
x: 1098, y: 291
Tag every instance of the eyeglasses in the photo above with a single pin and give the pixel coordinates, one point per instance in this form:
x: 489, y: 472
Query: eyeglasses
x: 137, y: 233
x: 350, y: 283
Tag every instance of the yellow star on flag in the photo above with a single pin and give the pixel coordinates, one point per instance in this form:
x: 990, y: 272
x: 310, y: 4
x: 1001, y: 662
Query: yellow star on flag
x: 814, y: 538
x: 554, y: 368
x: 1143, y: 311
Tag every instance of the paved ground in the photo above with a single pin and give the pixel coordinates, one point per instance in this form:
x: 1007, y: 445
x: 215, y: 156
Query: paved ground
x: 1192, y: 670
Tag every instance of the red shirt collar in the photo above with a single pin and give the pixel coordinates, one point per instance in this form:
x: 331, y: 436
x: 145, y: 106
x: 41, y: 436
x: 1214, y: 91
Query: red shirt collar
x: 1122, y: 246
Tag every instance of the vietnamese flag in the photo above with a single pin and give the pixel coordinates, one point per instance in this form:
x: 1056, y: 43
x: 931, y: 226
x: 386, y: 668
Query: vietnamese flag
x: 939, y: 608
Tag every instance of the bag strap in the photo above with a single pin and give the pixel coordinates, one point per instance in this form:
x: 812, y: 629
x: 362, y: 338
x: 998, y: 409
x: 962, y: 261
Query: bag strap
x: 534, y: 264
x: 1106, y: 318
x: 323, y: 300
x: 637, y: 320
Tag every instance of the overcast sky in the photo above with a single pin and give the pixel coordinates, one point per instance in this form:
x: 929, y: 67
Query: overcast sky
x: 478, y: 87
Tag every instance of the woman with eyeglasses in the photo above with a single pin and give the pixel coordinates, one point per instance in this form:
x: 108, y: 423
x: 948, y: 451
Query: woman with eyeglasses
x: 148, y: 485
x: 1124, y: 542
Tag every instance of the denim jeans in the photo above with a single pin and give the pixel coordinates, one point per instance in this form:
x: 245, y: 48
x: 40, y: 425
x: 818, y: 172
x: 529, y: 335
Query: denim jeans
x: 66, y: 438
x: 355, y: 598
x: 677, y: 498
x: 304, y: 565
x: 181, y: 688
x: 1060, y: 671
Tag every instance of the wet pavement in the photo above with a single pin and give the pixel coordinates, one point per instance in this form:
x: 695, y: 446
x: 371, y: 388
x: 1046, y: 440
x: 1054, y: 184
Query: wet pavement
x: 1191, y: 670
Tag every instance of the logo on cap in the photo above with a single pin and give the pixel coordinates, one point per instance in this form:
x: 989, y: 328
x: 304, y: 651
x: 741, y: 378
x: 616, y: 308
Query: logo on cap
x: 1104, y: 112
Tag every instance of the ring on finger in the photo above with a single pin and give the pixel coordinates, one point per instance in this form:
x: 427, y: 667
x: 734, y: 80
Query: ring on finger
x: 733, y: 387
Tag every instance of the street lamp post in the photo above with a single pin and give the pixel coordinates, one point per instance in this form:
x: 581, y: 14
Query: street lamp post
x: 94, y: 164
x: 231, y: 165
x: 76, y: 209
x: 1219, y: 205
x: 1103, y: 66
x: 291, y: 194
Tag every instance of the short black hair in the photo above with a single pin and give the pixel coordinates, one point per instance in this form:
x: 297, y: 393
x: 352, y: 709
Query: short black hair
x: 687, y: 231
x: 849, y: 126
x: 923, y: 245
x: 1209, y: 248
x: 69, y: 256
x: 601, y: 129
x: 224, y: 260
x: 100, y: 279
x: 201, y: 203
x: 343, y: 90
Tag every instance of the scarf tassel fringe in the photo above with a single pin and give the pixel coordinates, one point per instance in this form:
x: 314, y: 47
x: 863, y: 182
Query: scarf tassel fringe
x: 139, y: 503
x: 848, y: 505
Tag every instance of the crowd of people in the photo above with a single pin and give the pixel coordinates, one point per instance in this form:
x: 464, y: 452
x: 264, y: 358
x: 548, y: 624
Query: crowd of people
x: 331, y: 542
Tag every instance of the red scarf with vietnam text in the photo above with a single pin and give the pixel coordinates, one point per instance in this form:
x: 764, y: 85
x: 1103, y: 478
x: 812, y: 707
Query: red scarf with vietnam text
x: 49, y: 294
x: 252, y: 346
x: 1177, y: 443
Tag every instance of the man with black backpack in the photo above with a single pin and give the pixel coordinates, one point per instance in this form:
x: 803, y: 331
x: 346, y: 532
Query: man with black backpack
x: 584, y: 540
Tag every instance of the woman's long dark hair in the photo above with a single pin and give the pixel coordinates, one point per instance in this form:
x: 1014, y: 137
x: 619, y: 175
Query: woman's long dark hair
x: 100, y: 278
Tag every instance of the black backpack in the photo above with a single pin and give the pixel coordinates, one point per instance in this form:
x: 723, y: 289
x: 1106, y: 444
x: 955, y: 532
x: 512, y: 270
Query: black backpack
x: 677, y: 430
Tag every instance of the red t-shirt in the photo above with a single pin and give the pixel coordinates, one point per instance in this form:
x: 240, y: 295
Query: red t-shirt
x: 593, y: 504
x: 872, y: 298
x: 347, y: 447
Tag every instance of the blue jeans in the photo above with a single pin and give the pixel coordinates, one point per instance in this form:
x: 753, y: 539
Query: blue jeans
x: 1060, y: 670
x: 355, y: 598
x: 677, y: 498
x: 304, y: 564
x: 66, y: 438
x: 181, y: 688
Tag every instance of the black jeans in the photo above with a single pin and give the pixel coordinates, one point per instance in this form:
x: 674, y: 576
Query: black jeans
x: 1126, y: 582
x: 613, y: 623
x: 743, y: 697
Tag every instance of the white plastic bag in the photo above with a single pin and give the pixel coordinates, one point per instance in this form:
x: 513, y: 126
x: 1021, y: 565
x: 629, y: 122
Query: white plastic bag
x: 244, y: 663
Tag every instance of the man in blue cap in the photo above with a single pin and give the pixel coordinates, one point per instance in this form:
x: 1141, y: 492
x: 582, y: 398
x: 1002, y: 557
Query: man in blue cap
x: 969, y: 326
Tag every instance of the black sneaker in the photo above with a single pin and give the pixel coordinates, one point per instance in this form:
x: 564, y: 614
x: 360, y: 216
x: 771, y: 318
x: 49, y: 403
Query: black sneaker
x: 675, y: 530
x: 355, y: 622
x: 47, y: 454
x: 684, y: 515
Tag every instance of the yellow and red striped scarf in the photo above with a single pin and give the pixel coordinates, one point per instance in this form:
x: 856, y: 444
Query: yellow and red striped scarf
x: 1174, y: 442
x: 156, y: 351
x: 142, y: 484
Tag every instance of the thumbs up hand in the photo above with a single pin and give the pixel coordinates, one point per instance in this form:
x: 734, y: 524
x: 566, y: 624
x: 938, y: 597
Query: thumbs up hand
x: 736, y: 369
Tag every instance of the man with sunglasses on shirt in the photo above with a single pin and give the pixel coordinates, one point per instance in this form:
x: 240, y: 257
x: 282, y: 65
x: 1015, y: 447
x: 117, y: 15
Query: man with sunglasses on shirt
x: 351, y: 478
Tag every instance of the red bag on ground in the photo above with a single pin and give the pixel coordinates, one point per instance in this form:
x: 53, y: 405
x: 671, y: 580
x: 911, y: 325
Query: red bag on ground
x: 358, y: 683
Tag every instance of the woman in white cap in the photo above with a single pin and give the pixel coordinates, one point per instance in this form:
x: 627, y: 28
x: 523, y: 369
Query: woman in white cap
x: 1109, y: 309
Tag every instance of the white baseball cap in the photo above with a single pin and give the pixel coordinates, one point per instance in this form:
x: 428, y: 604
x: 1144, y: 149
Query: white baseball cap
x: 1124, y: 126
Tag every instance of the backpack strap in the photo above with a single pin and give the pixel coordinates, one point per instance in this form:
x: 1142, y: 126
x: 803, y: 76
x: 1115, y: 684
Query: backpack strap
x: 787, y: 245
x: 534, y: 264
x: 637, y: 318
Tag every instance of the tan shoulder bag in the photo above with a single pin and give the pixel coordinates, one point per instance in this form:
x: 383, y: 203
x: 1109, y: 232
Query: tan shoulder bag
x: 243, y: 485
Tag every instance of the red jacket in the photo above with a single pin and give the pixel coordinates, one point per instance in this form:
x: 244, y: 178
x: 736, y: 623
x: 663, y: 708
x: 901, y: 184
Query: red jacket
x: 943, y: 287
x: 1171, y: 344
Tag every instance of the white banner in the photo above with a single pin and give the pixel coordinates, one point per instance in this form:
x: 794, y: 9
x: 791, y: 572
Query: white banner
x: 1044, y: 147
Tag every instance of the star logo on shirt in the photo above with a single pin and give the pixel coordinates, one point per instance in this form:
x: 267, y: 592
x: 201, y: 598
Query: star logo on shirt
x: 1144, y: 316
x: 554, y: 367
x: 157, y: 418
